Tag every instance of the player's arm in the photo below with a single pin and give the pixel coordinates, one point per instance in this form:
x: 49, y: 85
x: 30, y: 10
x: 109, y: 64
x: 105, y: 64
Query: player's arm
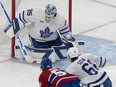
x: 66, y: 35
x: 65, y: 32
x: 20, y: 21
x: 25, y: 16
x: 99, y: 60
x: 68, y: 39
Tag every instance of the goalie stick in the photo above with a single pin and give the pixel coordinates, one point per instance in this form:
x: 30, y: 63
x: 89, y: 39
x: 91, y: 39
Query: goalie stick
x: 21, y: 45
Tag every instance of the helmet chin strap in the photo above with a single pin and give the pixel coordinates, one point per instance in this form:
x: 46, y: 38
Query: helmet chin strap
x: 48, y: 20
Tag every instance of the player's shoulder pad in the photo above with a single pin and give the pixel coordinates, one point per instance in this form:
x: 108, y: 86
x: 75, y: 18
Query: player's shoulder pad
x: 59, y: 18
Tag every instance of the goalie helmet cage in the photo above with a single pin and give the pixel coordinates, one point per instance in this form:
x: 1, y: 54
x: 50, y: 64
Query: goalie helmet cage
x: 13, y: 8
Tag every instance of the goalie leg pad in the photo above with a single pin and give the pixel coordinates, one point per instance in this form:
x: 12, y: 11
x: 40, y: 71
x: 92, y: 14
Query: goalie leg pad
x: 38, y: 53
x: 60, y: 51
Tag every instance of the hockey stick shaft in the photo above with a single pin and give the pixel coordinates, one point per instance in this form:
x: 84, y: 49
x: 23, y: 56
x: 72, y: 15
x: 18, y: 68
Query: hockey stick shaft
x: 21, y: 45
x: 5, y: 12
x: 8, y: 27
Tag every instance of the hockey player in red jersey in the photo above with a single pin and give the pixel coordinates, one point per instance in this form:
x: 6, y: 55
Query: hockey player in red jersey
x: 54, y: 77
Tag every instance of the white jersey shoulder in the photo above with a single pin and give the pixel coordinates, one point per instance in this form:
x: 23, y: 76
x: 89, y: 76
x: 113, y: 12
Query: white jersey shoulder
x: 40, y: 29
x: 99, y: 60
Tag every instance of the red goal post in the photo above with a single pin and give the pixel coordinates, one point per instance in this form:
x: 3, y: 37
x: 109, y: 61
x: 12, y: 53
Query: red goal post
x: 13, y: 39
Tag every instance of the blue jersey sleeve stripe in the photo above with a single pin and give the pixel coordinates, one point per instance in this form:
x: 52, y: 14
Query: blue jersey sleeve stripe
x: 104, y: 63
x: 100, y: 61
x: 24, y: 17
x: 64, y: 29
x: 103, y: 75
x: 65, y: 32
x: 21, y: 19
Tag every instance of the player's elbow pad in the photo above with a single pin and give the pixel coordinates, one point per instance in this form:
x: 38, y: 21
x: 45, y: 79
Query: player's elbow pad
x: 102, y: 61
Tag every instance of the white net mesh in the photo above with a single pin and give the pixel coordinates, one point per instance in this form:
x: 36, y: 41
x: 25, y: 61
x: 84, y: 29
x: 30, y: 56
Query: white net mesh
x: 5, y: 41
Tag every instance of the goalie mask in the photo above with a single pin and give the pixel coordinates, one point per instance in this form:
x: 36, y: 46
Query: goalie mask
x: 73, y: 53
x: 50, y: 12
x: 46, y: 63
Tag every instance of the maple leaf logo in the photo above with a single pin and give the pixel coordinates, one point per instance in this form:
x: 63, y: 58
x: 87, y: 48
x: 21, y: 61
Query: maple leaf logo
x: 46, y: 33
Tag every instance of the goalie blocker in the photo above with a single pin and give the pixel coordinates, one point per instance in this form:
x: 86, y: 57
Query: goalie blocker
x: 13, y: 28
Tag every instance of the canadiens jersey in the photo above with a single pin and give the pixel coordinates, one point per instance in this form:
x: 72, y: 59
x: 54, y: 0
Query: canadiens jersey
x: 55, y: 77
x: 88, y: 68
x: 40, y: 29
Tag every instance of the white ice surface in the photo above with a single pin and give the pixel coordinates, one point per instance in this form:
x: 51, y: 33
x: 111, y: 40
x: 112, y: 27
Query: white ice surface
x: 98, y: 16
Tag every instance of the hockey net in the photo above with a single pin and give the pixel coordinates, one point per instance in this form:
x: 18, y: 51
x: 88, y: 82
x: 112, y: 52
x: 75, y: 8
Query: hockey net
x: 7, y: 45
x: 5, y: 41
x: 79, y: 20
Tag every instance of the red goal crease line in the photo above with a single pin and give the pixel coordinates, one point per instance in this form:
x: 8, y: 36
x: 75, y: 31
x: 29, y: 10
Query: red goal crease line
x: 97, y: 27
x: 110, y: 5
x: 3, y: 61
